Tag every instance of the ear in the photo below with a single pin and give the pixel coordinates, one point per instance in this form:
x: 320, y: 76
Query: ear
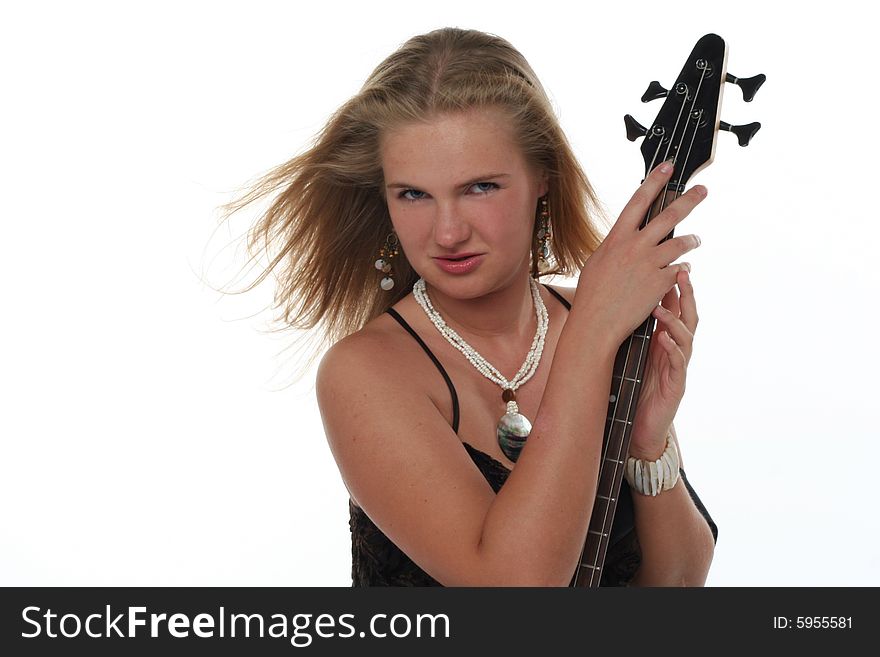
x: 543, y: 184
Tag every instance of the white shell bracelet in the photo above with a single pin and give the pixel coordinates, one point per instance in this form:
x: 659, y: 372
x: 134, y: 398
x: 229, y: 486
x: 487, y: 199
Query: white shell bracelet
x: 653, y: 477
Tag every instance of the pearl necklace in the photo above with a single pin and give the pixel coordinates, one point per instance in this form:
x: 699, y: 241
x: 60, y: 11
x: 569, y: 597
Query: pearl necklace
x: 513, y: 427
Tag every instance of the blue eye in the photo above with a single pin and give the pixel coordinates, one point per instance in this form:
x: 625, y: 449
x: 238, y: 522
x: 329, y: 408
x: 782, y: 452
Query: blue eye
x: 484, y: 187
x: 412, y: 194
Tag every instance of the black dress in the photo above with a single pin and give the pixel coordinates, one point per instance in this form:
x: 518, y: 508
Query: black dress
x: 376, y: 561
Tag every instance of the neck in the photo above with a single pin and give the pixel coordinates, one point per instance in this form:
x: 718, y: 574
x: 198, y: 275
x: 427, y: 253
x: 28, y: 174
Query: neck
x: 505, y: 314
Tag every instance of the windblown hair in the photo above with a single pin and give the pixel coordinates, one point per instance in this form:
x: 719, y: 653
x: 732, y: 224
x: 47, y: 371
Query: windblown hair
x: 328, y: 218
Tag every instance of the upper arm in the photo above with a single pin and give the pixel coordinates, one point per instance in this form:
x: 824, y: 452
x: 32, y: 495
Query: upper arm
x: 400, y: 460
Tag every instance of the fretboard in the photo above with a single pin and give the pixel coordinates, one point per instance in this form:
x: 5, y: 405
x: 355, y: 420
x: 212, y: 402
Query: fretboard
x: 626, y: 383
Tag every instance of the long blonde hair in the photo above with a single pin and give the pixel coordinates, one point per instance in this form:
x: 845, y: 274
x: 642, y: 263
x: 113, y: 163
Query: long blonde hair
x: 328, y: 220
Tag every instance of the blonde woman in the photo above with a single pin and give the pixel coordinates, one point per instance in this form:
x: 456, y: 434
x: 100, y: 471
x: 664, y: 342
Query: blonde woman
x: 463, y: 400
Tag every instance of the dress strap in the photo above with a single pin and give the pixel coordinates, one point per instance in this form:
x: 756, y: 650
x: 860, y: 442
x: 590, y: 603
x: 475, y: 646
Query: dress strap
x: 411, y: 331
x: 558, y: 296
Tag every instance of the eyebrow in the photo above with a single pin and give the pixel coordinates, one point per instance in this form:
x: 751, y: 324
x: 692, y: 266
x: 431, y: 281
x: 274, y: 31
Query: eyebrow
x: 472, y: 181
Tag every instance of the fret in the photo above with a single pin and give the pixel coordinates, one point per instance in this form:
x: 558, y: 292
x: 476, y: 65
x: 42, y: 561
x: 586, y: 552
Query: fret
x: 608, y: 479
x: 617, y: 419
x: 612, y: 435
x: 591, y: 566
x: 594, y: 532
x: 613, y: 460
x: 629, y: 368
x: 606, y: 498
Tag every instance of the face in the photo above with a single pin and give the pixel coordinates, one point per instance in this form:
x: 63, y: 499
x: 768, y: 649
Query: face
x: 462, y: 200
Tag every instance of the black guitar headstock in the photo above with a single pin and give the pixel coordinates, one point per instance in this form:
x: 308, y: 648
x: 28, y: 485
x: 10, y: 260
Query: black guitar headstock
x: 686, y: 125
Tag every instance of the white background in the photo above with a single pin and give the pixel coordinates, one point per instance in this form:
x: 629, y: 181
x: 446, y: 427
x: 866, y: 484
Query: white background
x: 148, y: 433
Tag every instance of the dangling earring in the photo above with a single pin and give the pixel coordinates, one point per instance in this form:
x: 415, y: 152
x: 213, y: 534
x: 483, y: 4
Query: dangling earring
x: 386, y: 254
x: 543, y: 237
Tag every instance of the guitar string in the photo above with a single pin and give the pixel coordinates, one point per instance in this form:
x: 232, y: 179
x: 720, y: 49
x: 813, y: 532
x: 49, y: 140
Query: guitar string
x: 684, y: 132
x: 668, y: 150
x: 687, y: 156
x: 605, y: 530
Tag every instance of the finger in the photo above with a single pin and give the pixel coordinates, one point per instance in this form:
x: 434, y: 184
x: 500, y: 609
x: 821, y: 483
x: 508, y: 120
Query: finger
x: 672, y: 250
x: 671, y: 273
x: 661, y: 225
x: 670, y: 300
x: 688, y: 303
x: 673, y: 326
x: 677, y: 359
x: 634, y: 212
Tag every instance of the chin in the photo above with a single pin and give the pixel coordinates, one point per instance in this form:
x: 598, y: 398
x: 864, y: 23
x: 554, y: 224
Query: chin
x: 467, y: 287
x: 456, y: 289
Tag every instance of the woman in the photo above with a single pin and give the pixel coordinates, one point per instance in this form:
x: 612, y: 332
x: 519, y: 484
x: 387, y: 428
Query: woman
x: 414, y: 231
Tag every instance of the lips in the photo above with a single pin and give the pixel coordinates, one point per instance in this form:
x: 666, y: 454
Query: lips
x: 461, y: 263
x: 457, y: 257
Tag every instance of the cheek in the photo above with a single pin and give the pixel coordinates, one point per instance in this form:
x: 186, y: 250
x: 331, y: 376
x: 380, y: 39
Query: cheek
x: 411, y: 224
x: 516, y: 222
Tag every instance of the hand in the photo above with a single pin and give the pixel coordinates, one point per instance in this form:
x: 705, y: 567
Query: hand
x: 663, y: 383
x: 625, y: 278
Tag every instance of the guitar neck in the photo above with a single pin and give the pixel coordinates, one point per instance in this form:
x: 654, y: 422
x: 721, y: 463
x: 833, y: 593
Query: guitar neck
x: 626, y: 383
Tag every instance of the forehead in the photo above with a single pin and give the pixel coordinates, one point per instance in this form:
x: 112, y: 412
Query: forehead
x: 451, y: 145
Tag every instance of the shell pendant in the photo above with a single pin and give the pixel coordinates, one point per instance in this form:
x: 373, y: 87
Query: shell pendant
x: 513, y: 429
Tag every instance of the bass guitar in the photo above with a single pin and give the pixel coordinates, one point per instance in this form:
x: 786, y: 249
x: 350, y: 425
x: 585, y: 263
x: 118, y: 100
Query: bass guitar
x: 684, y: 131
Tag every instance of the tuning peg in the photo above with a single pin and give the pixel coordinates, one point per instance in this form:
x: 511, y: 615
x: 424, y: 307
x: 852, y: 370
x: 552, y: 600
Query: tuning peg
x: 744, y: 133
x: 749, y: 86
x: 655, y: 91
x: 634, y: 129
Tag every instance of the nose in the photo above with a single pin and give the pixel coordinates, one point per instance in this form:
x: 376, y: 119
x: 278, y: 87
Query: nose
x: 451, y: 228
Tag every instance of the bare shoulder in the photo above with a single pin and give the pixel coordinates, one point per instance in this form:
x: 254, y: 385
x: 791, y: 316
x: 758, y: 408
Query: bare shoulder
x: 361, y: 348
x: 370, y: 357
x: 400, y: 460
x: 351, y: 369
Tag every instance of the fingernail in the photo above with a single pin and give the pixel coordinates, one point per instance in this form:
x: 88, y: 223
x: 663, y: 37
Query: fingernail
x: 699, y: 241
x: 666, y: 167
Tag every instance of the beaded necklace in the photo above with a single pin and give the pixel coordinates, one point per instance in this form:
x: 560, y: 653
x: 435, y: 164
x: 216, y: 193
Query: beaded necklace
x: 513, y: 427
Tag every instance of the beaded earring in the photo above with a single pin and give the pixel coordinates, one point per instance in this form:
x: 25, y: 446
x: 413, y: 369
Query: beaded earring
x: 543, y: 236
x: 386, y: 254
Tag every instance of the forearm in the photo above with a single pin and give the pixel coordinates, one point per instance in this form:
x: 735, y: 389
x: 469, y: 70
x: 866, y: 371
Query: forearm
x: 675, y: 539
x: 536, y: 526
